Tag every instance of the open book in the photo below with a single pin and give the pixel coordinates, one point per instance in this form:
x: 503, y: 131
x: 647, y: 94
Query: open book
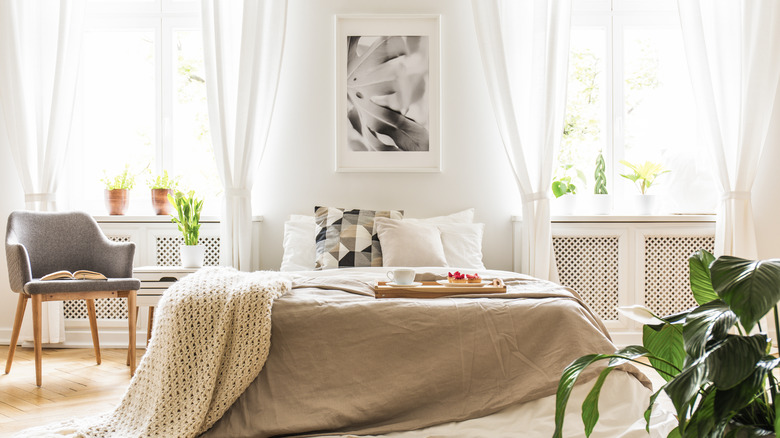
x: 77, y: 275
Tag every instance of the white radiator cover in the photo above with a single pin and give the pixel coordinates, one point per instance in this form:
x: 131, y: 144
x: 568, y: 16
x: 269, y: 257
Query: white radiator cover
x: 667, y: 286
x: 590, y: 266
x: 619, y: 261
x: 166, y: 254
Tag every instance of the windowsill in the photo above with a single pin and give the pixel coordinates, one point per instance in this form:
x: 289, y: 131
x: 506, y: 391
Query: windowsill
x: 157, y: 219
x: 628, y: 218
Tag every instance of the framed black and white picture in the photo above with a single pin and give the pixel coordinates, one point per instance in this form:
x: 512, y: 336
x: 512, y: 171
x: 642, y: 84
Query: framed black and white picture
x: 387, y: 93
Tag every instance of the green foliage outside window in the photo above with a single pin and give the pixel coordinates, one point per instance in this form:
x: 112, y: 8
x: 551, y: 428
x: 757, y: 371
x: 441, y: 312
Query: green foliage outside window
x: 583, y: 139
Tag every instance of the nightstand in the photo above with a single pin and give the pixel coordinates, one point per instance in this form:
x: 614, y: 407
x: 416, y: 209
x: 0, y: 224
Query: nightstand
x: 154, y: 281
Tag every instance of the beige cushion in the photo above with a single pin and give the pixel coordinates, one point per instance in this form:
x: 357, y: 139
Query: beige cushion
x: 463, y: 244
x: 407, y: 243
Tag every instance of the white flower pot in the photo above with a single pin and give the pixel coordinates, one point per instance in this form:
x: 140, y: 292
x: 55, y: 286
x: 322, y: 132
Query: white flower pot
x: 601, y: 204
x: 645, y: 204
x: 192, y: 256
x: 566, y: 205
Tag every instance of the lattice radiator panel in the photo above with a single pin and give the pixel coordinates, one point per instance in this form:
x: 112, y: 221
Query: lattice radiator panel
x: 590, y: 265
x: 167, y: 255
x: 667, y: 287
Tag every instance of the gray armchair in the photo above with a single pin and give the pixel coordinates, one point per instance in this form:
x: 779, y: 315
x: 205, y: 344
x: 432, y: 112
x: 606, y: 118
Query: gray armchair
x: 37, y: 244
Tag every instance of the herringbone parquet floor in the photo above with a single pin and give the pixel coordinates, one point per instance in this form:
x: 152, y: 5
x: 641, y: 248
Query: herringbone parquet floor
x: 73, y: 386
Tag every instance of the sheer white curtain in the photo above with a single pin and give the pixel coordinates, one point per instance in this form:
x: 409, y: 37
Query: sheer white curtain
x: 525, y: 51
x: 40, y: 49
x: 733, y: 51
x: 242, y: 43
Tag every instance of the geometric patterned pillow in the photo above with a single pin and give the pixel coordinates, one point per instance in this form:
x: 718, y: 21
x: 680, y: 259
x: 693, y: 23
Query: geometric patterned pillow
x: 346, y: 238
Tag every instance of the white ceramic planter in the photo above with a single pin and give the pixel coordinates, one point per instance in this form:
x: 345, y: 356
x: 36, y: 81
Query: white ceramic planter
x: 645, y: 204
x: 600, y: 204
x: 192, y: 256
x: 566, y: 205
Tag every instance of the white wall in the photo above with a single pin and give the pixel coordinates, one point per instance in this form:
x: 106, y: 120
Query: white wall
x: 766, y: 197
x: 297, y: 172
x: 11, y: 198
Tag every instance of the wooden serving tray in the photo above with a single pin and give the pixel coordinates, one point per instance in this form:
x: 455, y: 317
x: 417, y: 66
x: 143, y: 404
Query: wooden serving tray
x: 432, y: 289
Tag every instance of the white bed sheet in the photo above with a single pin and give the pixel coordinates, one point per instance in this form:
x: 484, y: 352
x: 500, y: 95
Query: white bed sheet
x: 622, y: 404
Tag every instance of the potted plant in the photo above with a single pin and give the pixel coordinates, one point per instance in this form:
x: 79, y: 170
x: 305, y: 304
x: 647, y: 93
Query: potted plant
x: 644, y: 176
x: 188, y: 209
x: 719, y: 377
x: 117, y: 193
x: 602, y: 201
x: 162, y: 186
x: 564, y: 189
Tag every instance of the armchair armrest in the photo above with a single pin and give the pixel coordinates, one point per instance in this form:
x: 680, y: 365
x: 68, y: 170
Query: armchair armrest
x: 114, y: 259
x: 19, y: 269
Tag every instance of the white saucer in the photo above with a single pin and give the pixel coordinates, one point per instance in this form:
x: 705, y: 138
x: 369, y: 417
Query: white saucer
x: 447, y: 283
x: 392, y: 284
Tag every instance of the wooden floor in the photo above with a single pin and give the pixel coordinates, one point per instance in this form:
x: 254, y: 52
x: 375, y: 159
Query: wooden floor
x: 73, y: 386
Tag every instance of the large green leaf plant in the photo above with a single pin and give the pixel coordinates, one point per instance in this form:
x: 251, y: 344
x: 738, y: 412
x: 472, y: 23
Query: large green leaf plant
x: 718, y: 370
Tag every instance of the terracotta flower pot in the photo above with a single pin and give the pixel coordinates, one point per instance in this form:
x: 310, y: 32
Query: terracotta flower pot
x: 160, y: 201
x: 117, y: 201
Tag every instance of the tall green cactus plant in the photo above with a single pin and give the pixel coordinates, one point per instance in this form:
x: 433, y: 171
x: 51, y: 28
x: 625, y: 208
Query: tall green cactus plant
x: 601, y: 177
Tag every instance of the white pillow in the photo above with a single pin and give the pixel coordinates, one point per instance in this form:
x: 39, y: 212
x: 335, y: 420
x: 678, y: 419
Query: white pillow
x: 298, y: 243
x: 407, y: 243
x: 462, y: 244
x: 461, y: 217
x: 300, y: 230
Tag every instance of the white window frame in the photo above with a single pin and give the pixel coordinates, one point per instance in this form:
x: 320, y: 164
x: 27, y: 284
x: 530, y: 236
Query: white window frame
x: 163, y: 17
x: 614, y: 16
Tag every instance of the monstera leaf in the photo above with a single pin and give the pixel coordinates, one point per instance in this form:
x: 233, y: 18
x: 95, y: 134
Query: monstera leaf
x: 750, y: 288
x: 386, y: 99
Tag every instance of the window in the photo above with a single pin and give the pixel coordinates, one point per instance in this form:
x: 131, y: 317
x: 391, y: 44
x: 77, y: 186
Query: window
x: 142, y: 103
x: 629, y: 97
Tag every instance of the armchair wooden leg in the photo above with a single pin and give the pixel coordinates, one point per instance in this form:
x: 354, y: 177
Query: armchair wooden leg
x: 36, y: 314
x: 93, y: 328
x: 135, y: 324
x: 131, y: 322
x: 21, y: 305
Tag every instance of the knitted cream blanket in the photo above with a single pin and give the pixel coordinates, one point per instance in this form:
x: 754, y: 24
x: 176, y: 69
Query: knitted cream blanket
x: 212, y: 333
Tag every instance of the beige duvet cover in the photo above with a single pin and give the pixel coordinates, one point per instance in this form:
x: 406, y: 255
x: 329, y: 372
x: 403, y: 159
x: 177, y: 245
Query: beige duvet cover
x: 342, y: 361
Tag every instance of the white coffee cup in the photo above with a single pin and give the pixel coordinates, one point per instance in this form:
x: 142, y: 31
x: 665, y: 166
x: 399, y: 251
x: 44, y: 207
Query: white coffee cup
x: 401, y: 276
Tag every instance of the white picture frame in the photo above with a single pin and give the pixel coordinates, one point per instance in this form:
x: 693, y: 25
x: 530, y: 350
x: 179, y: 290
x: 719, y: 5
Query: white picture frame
x: 397, y: 127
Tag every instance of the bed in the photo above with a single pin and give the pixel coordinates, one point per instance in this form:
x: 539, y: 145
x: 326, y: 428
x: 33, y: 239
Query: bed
x: 343, y: 362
